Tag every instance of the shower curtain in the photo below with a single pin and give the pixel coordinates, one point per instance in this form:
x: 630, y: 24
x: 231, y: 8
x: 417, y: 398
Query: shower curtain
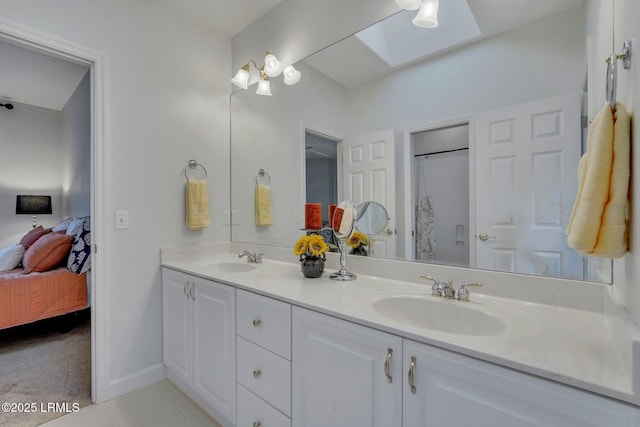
x: 425, y: 234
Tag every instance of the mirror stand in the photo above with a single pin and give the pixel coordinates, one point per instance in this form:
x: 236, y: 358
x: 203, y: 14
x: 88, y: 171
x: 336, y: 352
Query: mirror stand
x: 342, y: 274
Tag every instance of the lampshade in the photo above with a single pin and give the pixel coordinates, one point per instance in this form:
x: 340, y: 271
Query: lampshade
x: 242, y: 77
x: 409, y: 4
x: 272, y: 67
x: 291, y: 75
x: 33, y: 205
x: 264, y: 87
x: 427, y: 16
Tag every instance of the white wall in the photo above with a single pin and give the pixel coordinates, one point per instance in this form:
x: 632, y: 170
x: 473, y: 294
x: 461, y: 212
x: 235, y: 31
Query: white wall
x: 166, y: 101
x: 76, y: 159
x: 30, y: 163
x: 627, y: 270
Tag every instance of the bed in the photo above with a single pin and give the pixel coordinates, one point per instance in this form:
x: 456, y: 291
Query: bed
x: 26, y: 298
x: 47, y: 273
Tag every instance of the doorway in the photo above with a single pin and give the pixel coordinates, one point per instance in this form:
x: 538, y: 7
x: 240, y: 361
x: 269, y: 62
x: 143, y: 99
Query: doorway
x: 71, y: 52
x: 441, y: 195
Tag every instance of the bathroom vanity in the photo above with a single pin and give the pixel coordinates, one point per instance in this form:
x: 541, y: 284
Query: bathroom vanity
x: 259, y: 345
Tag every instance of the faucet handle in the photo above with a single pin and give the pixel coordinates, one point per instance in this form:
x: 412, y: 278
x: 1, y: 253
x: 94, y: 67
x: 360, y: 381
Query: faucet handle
x: 463, y: 292
x: 436, y: 289
x: 258, y: 258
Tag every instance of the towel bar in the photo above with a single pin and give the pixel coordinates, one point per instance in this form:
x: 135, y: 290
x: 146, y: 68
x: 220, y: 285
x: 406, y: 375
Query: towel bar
x: 192, y: 164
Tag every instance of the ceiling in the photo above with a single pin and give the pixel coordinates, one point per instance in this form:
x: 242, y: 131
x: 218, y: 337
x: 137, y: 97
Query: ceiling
x: 395, y: 42
x: 34, y: 78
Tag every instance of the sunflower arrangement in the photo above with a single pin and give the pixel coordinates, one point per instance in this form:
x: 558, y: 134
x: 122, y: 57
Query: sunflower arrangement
x: 311, y: 246
x: 358, y: 239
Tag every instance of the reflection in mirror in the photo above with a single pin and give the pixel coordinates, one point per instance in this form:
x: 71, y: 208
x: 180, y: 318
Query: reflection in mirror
x: 512, y: 75
x: 343, y: 224
x: 371, y: 218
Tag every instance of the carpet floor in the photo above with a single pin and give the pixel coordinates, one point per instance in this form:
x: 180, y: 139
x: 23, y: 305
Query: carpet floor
x: 45, y: 370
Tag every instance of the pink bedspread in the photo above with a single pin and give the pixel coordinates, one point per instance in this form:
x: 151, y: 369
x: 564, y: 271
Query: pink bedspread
x: 26, y: 298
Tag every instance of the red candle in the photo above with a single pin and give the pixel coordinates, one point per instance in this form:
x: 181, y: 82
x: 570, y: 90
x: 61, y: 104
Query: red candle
x: 332, y: 209
x: 313, y: 216
x: 337, y: 219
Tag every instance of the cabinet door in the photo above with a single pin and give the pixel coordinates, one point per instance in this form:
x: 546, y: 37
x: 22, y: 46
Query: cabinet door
x: 214, y: 346
x: 338, y: 374
x: 176, y: 323
x: 456, y: 391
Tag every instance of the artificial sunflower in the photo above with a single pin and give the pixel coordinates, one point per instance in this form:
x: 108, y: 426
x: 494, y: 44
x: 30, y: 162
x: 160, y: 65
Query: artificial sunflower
x: 358, y: 239
x: 312, y: 245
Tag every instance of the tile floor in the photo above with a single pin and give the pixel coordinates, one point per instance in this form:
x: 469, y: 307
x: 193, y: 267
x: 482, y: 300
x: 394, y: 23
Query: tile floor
x: 160, y: 404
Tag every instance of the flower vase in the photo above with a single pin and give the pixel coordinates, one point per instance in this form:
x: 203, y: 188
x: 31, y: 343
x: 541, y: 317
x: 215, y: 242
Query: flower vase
x: 360, y: 250
x: 312, y: 266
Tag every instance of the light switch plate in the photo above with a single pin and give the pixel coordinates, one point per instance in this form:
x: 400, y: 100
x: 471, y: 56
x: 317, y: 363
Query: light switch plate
x: 226, y: 217
x: 234, y: 218
x: 122, y: 220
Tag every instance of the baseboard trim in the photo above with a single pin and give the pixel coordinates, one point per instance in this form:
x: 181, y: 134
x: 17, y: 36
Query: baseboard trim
x: 137, y: 379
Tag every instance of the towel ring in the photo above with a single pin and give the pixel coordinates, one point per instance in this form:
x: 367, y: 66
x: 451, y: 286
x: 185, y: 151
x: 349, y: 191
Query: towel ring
x: 192, y: 164
x: 612, y: 72
x: 263, y: 178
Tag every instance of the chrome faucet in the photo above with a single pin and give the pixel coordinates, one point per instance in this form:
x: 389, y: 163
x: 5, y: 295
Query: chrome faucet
x: 255, y: 258
x: 446, y: 289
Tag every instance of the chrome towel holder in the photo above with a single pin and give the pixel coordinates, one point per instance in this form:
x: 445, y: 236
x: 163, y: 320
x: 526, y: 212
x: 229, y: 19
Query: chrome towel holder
x: 192, y: 164
x: 263, y: 178
x: 612, y: 72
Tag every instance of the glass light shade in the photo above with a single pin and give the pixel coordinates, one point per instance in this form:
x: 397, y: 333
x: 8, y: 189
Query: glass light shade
x: 272, y: 67
x: 291, y: 75
x: 427, y: 16
x: 241, y: 79
x: 409, y: 4
x: 264, y: 88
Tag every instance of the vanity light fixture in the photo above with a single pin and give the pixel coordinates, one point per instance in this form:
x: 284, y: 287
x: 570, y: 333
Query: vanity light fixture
x: 272, y: 68
x: 427, y: 16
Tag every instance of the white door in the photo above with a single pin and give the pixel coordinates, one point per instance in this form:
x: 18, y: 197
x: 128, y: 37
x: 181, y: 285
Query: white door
x: 369, y: 175
x: 214, y: 371
x: 338, y: 374
x: 526, y: 179
x: 176, y: 323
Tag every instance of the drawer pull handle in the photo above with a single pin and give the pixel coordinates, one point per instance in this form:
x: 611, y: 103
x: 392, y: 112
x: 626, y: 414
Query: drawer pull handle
x: 412, y: 367
x: 256, y: 322
x: 387, y: 365
x: 257, y: 424
x: 257, y: 373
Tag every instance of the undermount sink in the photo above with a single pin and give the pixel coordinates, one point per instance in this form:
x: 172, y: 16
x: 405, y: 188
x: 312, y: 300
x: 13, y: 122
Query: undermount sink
x: 225, y: 266
x: 445, y: 316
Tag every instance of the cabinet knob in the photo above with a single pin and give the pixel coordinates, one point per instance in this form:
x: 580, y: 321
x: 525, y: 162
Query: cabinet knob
x: 257, y: 322
x: 257, y: 373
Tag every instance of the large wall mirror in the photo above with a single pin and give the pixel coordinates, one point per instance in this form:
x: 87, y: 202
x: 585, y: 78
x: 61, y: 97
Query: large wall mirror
x: 469, y: 135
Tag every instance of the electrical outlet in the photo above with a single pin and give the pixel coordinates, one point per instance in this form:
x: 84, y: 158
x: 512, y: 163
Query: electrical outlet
x: 296, y: 216
x: 234, y: 218
x: 122, y: 220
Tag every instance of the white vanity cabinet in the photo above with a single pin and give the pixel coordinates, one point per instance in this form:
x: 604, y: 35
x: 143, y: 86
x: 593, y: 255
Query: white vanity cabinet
x: 343, y: 374
x: 199, y: 343
x: 444, y: 389
x: 264, y: 361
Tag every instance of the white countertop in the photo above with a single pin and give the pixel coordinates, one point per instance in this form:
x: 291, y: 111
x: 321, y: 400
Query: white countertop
x: 567, y: 345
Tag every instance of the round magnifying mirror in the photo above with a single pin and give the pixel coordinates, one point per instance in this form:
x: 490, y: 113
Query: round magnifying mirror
x: 343, y: 220
x: 371, y: 218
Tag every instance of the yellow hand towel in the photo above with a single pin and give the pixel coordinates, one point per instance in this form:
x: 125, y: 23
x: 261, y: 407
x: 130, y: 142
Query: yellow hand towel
x: 613, y: 238
x: 598, y: 222
x: 197, y: 205
x: 264, y: 214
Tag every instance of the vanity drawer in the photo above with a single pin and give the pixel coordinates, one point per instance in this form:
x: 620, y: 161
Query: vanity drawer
x: 264, y: 321
x: 253, y: 411
x: 264, y: 373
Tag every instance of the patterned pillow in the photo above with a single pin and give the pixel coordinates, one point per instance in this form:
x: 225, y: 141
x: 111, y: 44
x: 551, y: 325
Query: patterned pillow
x: 80, y: 256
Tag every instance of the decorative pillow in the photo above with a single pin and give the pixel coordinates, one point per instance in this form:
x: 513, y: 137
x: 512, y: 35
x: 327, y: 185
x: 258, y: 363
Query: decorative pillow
x: 11, y: 256
x: 62, y: 225
x: 74, y: 226
x: 47, y: 252
x: 80, y: 256
x: 33, y: 235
